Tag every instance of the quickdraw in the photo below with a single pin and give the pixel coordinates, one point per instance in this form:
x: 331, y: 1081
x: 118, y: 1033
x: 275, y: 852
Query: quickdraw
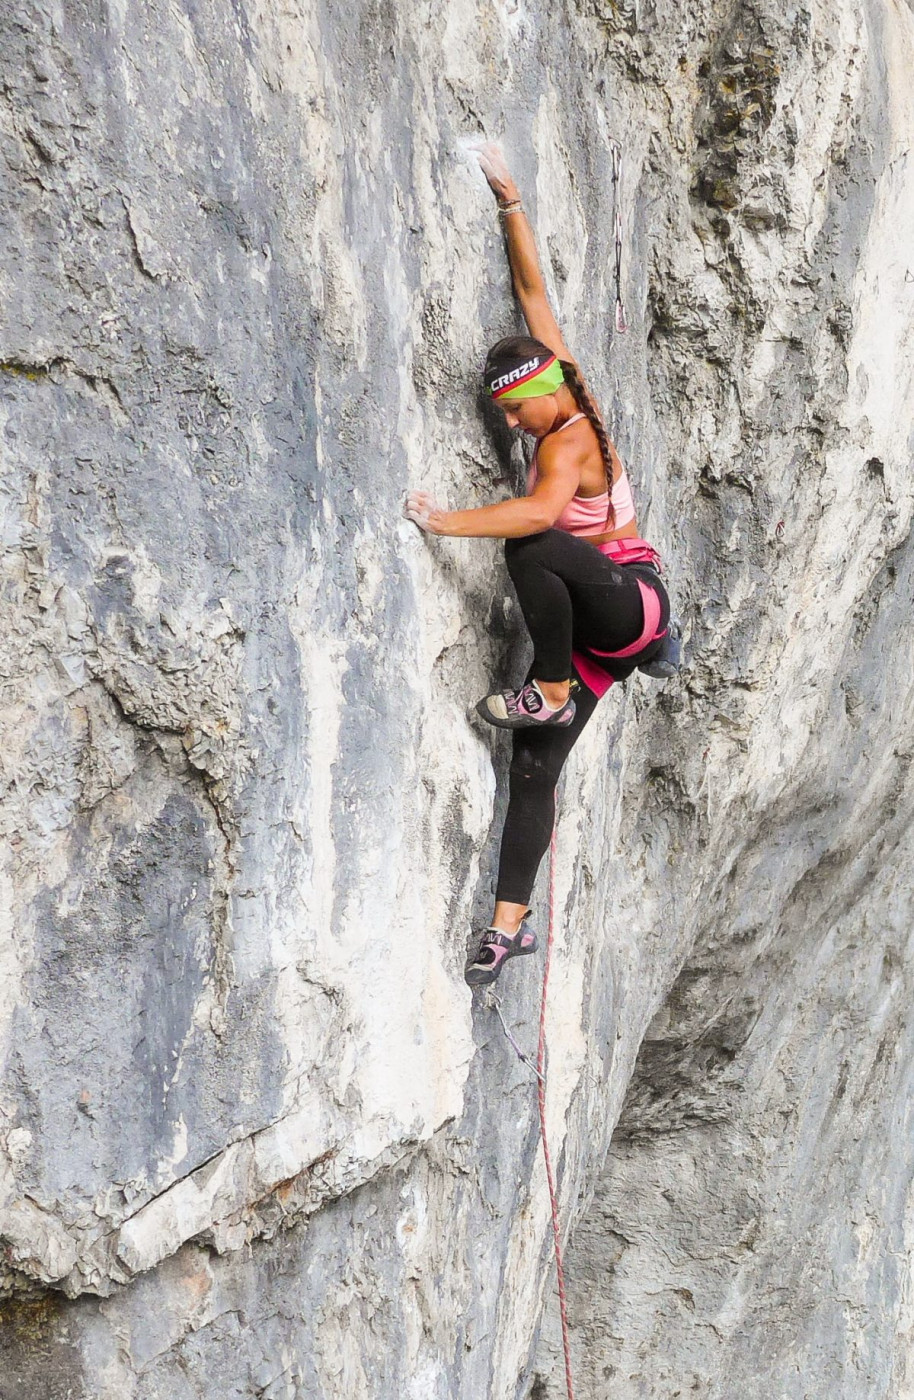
x: 616, y: 152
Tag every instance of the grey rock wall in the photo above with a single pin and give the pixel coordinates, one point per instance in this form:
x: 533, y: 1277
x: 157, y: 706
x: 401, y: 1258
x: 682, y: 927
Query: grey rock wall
x: 255, y: 1139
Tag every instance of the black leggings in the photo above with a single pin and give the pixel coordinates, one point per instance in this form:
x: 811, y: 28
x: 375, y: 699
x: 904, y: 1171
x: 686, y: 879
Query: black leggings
x: 572, y: 596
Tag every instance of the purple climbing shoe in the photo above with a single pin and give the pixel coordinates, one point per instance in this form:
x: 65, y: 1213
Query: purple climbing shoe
x: 523, y: 709
x: 494, y: 950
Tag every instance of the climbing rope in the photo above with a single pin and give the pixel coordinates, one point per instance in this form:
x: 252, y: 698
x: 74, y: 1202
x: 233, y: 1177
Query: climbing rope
x: 539, y: 1069
x: 541, y: 1096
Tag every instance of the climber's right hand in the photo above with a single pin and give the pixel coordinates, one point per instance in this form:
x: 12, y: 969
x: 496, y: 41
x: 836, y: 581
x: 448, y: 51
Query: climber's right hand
x: 495, y: 169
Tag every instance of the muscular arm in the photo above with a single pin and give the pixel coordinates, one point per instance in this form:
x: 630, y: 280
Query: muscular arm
x: 508, y: 520
x: 529, y: 286
x: 531, y: 293
x: 558, y: 477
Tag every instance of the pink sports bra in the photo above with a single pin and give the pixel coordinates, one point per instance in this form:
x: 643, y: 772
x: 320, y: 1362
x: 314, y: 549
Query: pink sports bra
x: 586, y: 515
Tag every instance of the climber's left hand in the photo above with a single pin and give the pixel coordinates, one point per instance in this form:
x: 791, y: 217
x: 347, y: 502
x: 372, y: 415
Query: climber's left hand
x: 425, y: 512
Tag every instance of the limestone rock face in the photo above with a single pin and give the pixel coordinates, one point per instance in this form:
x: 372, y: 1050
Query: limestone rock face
x: 255, y: 1137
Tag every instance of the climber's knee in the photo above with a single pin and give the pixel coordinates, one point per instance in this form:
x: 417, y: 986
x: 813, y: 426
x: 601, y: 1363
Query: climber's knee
x: 511, y: 550
x: 527, y: 549
x: 532, y: 769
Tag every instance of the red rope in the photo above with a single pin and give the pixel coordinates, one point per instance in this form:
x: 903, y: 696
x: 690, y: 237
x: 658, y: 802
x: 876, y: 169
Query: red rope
x: 541, y: 1095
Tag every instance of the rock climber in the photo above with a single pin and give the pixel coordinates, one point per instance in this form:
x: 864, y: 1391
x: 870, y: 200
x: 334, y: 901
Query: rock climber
x: 589, y: 588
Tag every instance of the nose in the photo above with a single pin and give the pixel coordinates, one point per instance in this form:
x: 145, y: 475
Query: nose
x: 512, y: 419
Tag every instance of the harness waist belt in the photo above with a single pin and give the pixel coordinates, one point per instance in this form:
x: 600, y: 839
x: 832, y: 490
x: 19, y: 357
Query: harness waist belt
x: 632, y: 551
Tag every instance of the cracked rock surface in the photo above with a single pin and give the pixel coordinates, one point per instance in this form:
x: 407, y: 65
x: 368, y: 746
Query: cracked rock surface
x: 255, y: 1137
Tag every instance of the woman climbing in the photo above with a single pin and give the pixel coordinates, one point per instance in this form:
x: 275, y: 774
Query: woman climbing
x: 588, y: 587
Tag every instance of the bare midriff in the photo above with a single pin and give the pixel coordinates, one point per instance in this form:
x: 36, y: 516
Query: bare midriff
x: 625, y: 532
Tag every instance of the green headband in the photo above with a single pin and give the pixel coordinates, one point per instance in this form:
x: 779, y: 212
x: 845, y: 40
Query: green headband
x: 529, y: 381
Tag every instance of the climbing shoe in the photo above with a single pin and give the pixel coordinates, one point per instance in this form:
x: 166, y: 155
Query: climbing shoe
x: 669, y: 658
x: 523, y: 709
x: 494, y: 950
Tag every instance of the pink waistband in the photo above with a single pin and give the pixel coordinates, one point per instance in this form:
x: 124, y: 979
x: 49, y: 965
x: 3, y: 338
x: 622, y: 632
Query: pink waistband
x: 631, y: 551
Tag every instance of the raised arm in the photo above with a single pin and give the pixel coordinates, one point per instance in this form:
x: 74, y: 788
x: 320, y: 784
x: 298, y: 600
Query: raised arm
x: 529, y: 285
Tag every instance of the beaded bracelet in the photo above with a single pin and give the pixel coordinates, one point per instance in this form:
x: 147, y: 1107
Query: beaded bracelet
x: 515, y: 207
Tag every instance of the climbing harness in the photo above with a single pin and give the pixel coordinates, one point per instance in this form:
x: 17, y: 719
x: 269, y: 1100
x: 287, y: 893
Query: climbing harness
x: 666, y: 661
x: 616, y: 152
x: 539, y: 1069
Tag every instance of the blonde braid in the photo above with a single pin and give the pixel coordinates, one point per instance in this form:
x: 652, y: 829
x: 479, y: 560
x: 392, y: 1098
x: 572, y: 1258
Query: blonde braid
x: 585, y: 403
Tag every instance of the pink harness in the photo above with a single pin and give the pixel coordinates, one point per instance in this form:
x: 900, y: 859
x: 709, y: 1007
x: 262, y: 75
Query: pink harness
x: 630, y: 551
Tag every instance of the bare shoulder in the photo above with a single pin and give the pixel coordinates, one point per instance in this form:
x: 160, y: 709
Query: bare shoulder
x: 572, y: 445
x: 577, y: 448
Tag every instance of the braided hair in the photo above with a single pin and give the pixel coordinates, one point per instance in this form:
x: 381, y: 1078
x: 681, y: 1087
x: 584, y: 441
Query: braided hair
x: 515, y: 350
x: 581, y: 395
